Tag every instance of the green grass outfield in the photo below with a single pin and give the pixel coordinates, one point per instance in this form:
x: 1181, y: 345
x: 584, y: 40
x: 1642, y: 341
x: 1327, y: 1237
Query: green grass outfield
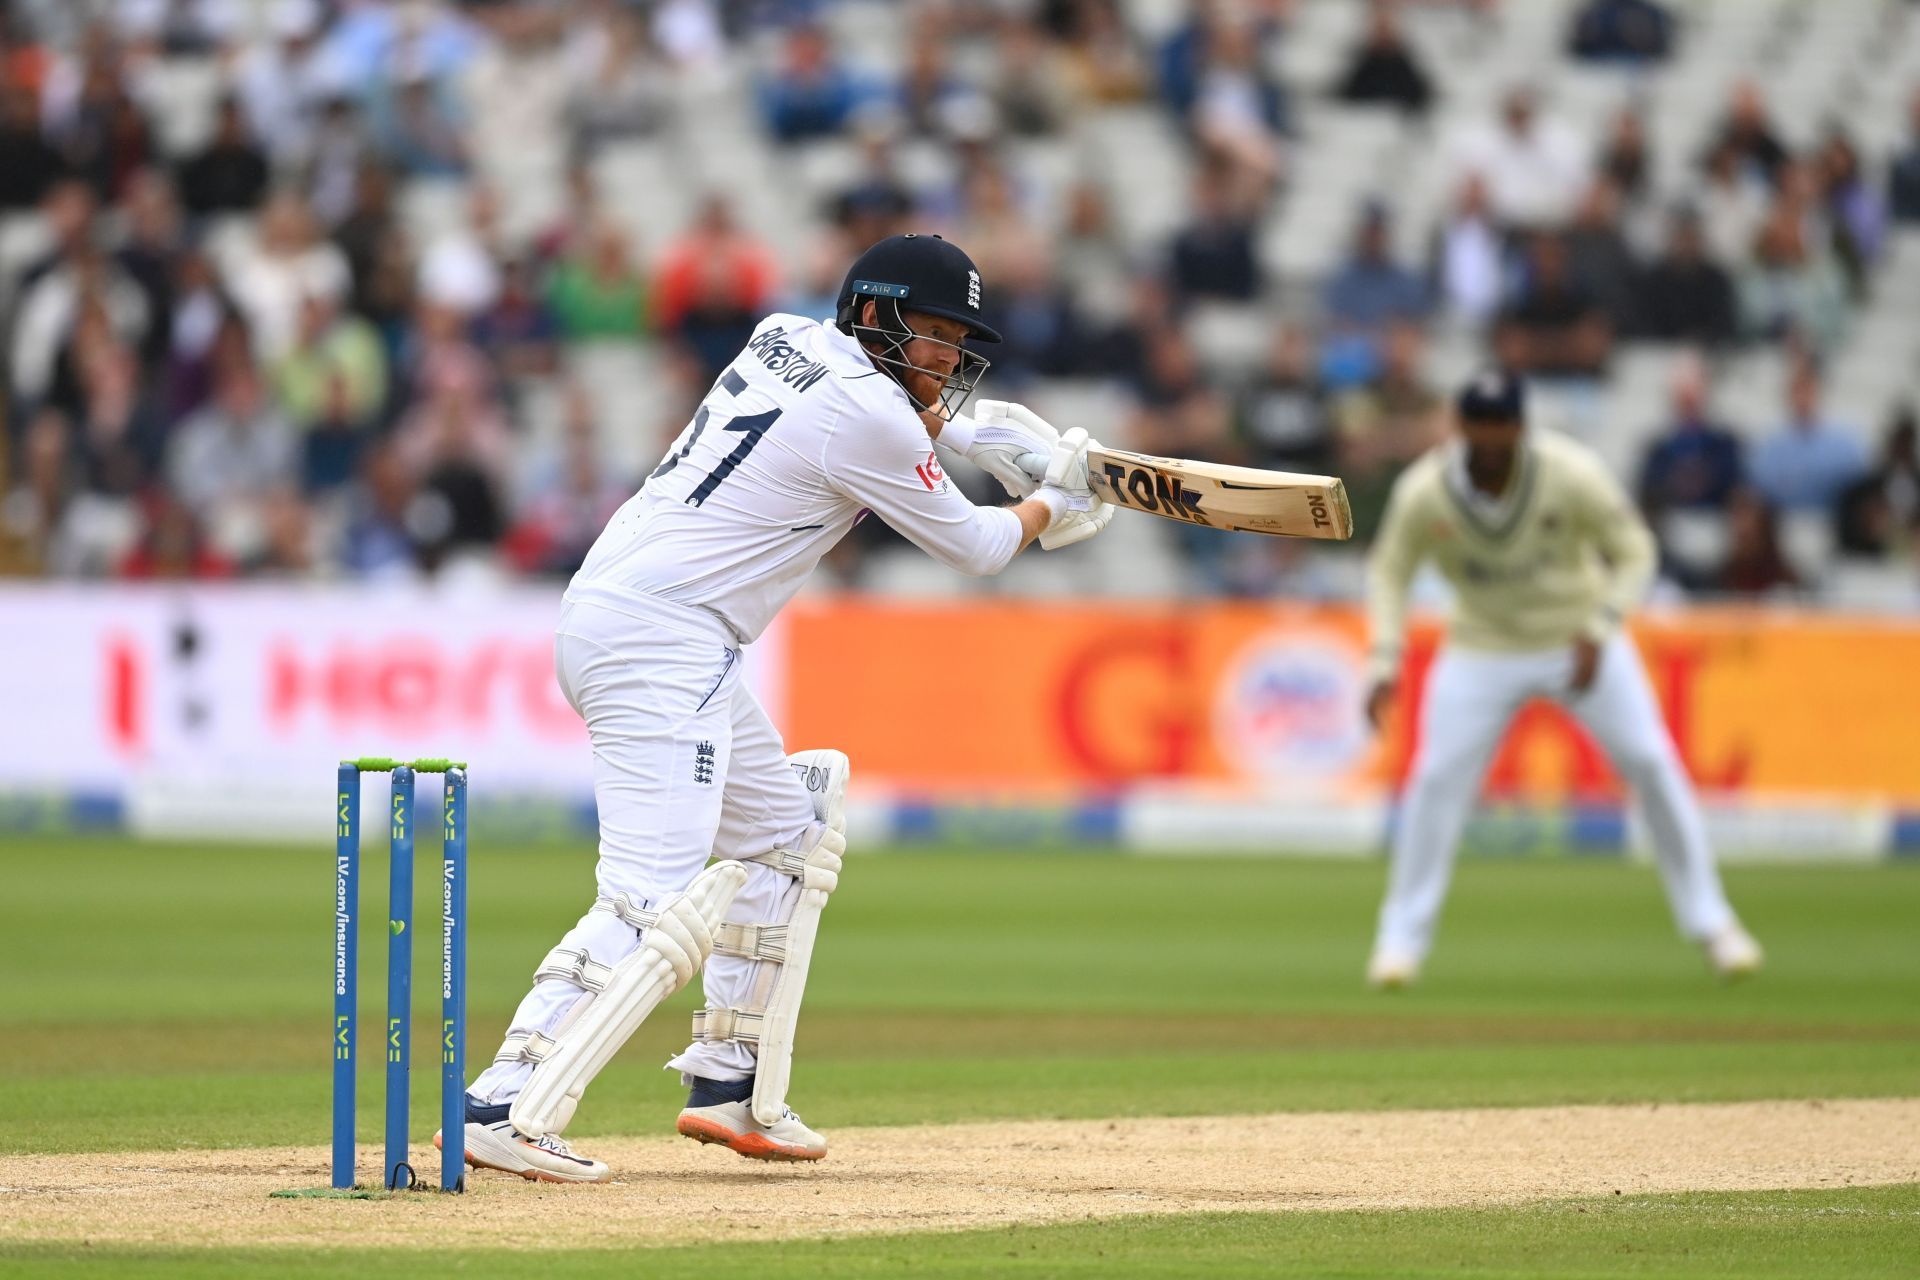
x: 1857, y: 1234
x: 178, y: 997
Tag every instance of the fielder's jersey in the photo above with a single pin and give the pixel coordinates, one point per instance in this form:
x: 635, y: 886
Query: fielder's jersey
x: 1562, y: 553
x: 799, y: 437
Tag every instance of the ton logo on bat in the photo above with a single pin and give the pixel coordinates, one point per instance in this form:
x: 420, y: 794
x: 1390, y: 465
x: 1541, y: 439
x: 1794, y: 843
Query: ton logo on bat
x: 1156, y: 491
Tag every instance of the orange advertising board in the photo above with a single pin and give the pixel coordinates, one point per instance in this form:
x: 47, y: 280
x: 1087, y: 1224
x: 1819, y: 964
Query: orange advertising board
x: 985, y: 700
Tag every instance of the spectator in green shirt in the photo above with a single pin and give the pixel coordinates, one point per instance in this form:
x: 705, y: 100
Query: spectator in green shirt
x: 337, y: 363
x: 596, y: 290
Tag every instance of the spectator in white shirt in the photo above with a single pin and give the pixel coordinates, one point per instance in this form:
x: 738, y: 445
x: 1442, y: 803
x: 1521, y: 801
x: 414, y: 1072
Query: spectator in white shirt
x: 1732, y: 206
x: 1535, y: 166
x: 280, y: 81
x: 461, y: 267
x: 42, y: 362
x: 286, y: 264
x: 1468, y: 261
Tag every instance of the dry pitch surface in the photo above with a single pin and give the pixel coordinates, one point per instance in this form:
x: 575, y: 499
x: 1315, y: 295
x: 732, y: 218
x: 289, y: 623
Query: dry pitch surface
x: 950, y: 1177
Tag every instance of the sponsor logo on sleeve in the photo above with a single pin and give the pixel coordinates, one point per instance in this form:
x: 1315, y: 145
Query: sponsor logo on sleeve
x: 931, y: 474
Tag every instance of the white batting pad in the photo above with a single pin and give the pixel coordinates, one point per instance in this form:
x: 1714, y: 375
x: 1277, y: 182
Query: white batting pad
x: 677, y: 940
x: 782, y: 1014
x: 825, y: 774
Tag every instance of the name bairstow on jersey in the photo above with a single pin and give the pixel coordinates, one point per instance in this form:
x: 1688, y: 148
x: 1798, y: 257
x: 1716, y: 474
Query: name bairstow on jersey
x: 796, y: 370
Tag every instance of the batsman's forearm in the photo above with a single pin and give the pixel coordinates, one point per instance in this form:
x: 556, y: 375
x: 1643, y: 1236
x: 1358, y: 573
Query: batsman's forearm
x: 955, y: 433
x: 1035, y: 513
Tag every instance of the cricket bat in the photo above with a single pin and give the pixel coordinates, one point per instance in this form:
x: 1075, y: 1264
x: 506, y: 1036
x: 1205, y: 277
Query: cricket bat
x: 1285, y: 504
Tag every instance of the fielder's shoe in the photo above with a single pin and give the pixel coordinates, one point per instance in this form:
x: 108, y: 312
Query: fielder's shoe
x: 493, y: 1143
x: 718, y: 1111
x: 1734, y: 954
x: 1391, y: 970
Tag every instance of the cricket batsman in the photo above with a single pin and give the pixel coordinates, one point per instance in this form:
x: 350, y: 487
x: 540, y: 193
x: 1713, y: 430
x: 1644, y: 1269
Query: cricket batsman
x: 812, y: 427
x: 1545, y: 557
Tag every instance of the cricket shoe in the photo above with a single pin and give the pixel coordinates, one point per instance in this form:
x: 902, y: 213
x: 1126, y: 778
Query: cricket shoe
x: 1391, y: 970
x: 493, y: 1143
x: 719, y: 1111
x: 1734, y: 954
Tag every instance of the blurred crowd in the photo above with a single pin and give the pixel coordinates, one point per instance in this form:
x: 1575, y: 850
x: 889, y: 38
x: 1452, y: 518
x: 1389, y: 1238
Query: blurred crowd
x: 234, y: 357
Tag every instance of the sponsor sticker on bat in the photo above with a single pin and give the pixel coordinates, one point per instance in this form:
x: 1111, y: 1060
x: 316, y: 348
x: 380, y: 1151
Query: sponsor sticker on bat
x: 1154, y: 491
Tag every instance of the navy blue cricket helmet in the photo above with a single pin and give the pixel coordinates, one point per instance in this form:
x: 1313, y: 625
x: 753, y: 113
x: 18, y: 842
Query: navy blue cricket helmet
x: 916, y: 273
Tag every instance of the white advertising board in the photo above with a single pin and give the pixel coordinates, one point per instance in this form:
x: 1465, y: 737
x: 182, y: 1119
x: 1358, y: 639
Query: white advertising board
x: 129, y: 688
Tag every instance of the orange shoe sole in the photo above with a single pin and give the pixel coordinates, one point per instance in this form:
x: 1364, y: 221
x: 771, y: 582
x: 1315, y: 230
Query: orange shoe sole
x: 531, y: 1175
x: 754, y: 1146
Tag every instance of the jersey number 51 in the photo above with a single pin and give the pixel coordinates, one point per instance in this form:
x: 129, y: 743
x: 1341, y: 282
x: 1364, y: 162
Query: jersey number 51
x: 751, y: 427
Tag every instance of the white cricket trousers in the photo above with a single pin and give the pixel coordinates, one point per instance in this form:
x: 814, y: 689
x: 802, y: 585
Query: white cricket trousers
x: 1470, y: 698
x: 685, y: 765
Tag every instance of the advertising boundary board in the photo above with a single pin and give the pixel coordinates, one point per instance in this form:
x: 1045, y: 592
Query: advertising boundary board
x: 210, y: 709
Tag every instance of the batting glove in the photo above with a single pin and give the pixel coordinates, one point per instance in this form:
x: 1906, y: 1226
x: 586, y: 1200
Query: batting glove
x: 1077, y: 513
x: 1011, y: 443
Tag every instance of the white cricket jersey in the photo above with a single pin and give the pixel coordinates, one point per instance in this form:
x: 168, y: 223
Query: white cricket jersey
x: 798, y: 439
x: 1562, y: 553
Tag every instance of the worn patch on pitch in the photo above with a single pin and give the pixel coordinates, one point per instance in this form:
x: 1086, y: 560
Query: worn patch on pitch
x: 950, y: 1177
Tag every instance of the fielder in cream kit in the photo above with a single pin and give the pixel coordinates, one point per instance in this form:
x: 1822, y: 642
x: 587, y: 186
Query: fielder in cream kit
x: 1545, y: 556
x: 718, y: 850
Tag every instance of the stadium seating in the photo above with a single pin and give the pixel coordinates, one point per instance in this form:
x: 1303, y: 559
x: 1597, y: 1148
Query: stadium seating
x: 1819, y: 60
